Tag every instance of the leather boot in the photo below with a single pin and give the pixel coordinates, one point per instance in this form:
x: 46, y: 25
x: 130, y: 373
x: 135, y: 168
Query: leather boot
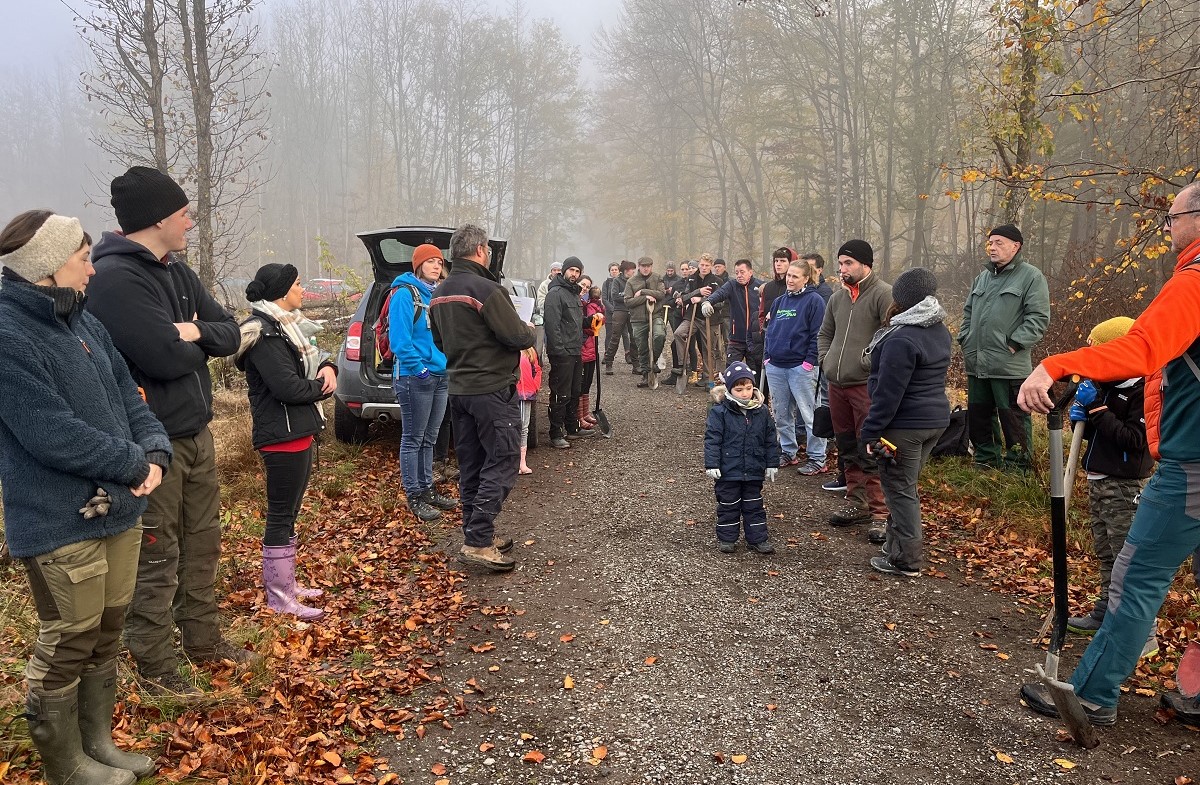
x: 54, y: 728
x: 97, y: 696
x: 297, y: 589
x: 279, y: 576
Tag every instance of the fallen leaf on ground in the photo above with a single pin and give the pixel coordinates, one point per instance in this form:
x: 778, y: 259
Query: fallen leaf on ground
x: 606, y: 621
x: 1064, y: 763
x: 772, y: 706
x: 486, y: 746
x: 533, y: 756
x: 526, y: 736
x: 891, y: 625
x: 332, y: 758
x: 568, y: 637
x: 1004, y: 757
x: 600, y: 752
x: 485, y: 646
x: 438, y: 769
x: 442, y: 781
x: 568, y: 683
x: 650, y: 660
x: 738, y: 759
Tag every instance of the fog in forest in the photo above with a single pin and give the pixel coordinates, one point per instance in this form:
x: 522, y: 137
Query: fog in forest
x: 666, y: 128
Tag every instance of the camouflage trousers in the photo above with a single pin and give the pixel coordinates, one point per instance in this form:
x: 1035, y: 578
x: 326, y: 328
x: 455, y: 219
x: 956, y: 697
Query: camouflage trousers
x: 1112, y: 503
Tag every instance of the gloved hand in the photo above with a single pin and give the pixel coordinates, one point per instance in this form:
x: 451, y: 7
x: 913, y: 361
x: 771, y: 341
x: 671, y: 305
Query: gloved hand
x: 1086, y: 393
x: 771, y: 474
x: 424, y: 374
x: 96, y: 506
x: 706, y: 308
x: 713, y: 474
x: 1077, y: 413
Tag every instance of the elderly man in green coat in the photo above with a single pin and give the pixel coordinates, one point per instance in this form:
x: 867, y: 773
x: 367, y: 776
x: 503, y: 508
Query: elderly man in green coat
x: 1005, y: 315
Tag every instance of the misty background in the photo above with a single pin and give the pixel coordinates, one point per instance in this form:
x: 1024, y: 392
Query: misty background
x: 617, y: 128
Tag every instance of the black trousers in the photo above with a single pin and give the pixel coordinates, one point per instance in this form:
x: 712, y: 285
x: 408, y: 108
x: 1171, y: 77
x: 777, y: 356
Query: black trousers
x: 740, y: 504
x: 487, y: 440
x: 616, y: 329
x: 287, y: 478
x: 566, y: 385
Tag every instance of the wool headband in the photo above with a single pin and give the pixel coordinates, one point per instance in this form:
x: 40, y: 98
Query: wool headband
x: 48, y: 250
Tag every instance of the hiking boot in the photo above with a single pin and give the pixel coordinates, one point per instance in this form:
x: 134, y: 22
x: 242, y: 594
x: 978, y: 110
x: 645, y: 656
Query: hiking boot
x: 882, y: 564
x: 559, y: 442
x: 435, y: 499
x: 1084, y: 625
x: 489, y: 557
x: 243, y: 659
x: 450, y: 470
x: 1187, y: 710
x: 608, y: 371
x: 422, y: 509
x: 764, y: 547
x: 645, y: 382
x: 674, y: 377
x: 788, y: 460
x: 877, y: 534
x: 849, y: 516
x: 580, y: 434
x: 169, y: 684
x: 502, y: 544
x: 836, y: 485
x: 726, y: 547
x: 1036, y: 696
x: 694, y: 378
x: 812, y: 468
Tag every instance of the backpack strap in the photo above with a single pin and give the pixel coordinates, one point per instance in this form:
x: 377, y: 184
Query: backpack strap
x: 419, y: 305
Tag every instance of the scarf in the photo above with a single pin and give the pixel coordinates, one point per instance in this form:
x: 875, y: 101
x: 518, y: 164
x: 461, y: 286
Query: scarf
x: 755, y: 401
x: 926, y: 313
x: 299, y: 330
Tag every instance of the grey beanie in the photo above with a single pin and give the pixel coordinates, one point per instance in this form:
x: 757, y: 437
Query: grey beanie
x: 913, y: 286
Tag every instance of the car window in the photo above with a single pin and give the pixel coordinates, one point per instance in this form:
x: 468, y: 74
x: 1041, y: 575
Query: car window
x: 396, y: 252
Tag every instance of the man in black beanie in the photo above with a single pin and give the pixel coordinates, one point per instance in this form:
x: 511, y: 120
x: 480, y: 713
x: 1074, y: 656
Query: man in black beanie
x: 1006, y: 313
x: 563, y: 322
x: 167, y: 325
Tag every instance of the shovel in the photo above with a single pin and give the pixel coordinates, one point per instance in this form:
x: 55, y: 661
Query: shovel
x: 601, y: 418
x: 1072, y: 462
x: 1065, y: 699
x: 650, y: 346
x: 681, y: 382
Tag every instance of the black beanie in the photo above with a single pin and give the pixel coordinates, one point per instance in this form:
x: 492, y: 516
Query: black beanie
x: 572, y: 261
x: 143, y: 196
x: 1009, y: 231
x: 913, y: 286
x: 271, y: 282
x: 859, y: 250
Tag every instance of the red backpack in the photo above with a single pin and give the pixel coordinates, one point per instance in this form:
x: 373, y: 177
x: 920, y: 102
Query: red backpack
x: 383, y: 346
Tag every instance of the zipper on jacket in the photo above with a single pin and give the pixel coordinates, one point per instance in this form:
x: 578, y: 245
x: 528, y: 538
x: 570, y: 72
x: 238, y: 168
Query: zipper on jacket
x: 287, y: 418
x: 842, y: 351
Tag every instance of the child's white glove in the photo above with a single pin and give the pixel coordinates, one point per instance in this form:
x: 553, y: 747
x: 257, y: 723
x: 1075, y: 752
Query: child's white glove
x: 771, y: 474
x: 713, y: 474
x: 706, y: 308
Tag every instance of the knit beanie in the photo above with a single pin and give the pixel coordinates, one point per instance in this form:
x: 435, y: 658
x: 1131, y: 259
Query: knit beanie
x: 143, y: 196
x: 422, y: 254
x: 572, y: 261
x: 47, y: 251
x: 271, y: 282
x: 1009, y: 231
x: 913, y: 286
x: 736, y: 371
x: 858, y: 250
x: 555, y: 267
x: 1109, y: 329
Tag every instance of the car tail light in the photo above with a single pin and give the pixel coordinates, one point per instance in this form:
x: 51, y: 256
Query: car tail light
x: 354, y: 342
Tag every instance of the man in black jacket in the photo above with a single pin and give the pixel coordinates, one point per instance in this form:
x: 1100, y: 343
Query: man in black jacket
x: 563, y: 322
x: 476, y: 326
x: 616, y: 322
x: 166, y: 325
x: 692, y: 290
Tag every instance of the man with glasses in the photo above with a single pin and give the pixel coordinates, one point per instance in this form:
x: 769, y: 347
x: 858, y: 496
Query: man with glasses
x: 1163, y: 346
x: 1006, y: 314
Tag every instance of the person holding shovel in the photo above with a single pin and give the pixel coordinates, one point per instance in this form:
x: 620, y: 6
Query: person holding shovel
x: 1162, y: 345
x: 643, y: 294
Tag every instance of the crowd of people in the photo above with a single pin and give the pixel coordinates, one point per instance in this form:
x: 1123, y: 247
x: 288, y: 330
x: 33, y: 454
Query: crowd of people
x: 114, y: 511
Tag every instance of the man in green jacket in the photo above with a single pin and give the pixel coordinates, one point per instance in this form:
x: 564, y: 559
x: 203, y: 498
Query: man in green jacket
x: 644, y: 288
x: 1006, y: 313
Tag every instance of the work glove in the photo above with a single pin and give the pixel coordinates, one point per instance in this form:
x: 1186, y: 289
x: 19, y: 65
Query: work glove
x: 713, y: 474
x: 771, y: 474
x: 706, y: 308
x: 1077, y: 413
x: 1086, y: 393
x: 96, y: 506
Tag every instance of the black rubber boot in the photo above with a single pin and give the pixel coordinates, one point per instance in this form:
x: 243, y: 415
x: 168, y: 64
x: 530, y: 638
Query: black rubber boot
x: 97, y: 696
x: 54, y: 727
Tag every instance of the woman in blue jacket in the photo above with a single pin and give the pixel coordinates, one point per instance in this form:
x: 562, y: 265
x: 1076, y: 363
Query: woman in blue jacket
x: 419, y: 381
x: 79, y: 453
x: 909, y: 357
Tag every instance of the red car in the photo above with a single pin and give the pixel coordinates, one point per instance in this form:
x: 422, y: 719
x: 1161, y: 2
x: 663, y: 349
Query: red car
x: 325, y: 289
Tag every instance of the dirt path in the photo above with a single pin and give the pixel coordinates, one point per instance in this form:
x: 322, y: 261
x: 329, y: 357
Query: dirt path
x: 807, y: 663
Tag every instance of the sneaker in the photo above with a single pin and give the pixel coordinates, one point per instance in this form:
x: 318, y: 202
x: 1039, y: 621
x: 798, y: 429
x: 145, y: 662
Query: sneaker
x: 608, y: 371
x: 1036, y: 696
x: 761, y: 547
x: 877, y: 534
x: 227, y: 652
x: 489, y: 557
x: 580, y: 434
x: 726, y: 547
x: 812, y: 468
x: 502, y: 544
x: 670, y: 380
x: 849, y: 516
x: 645, y: 382
x: 169, y: 685
x: 435, y: 499
x: 1187, y: 710
x: 788, y: 460
x: 1084, y: 625
x: 881, y: 564
x: 423, y: 510
x: 836, y: 485
x: 559, y: 442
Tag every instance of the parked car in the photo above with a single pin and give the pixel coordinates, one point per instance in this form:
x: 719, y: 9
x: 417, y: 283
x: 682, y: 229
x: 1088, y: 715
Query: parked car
x: 317, y: 290
x: 364, y: 392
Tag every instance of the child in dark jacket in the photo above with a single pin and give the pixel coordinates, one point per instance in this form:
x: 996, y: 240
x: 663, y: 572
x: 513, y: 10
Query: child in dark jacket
x: 740, y: 451
x: 1117, y: 461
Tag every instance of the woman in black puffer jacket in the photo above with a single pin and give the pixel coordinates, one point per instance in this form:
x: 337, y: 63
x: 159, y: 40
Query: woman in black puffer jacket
x: 286, y: 377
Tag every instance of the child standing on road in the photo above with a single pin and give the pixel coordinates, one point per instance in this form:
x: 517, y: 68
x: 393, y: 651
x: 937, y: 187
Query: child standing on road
x: 740, y: 451
x: 528, y: 384
x: 1117, y: 461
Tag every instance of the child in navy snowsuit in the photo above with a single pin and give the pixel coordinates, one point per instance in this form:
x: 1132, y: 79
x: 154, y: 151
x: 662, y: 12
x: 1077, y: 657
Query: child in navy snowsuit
x: 740, y: 451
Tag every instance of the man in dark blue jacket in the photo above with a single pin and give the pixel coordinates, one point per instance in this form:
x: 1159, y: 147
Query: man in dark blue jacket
x: 745, y: 334
x: 167, y: 325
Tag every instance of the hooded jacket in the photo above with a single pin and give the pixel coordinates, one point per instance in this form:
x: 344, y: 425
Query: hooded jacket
x: 795, y: 320
x: 139, y: 299
x: 71, y: 420
x: 563, y: 318
x: 744, y: 326
x: 411, y: 341
x: 1006, y: 314
x: 1116, y: 432
x: 849, y: 325
x: 740, y: 442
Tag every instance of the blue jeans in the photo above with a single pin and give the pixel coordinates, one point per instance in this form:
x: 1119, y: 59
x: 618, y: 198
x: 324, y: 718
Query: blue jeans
x: 422, y: 407
x: 795, y: 387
